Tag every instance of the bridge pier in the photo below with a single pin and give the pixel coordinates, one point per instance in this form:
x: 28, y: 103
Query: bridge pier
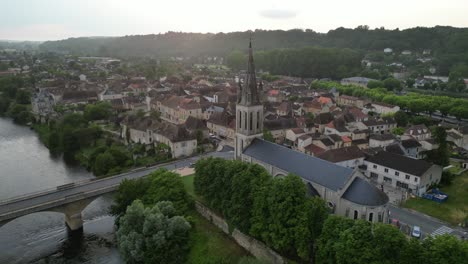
x: 74, y: 221
x: 72, y: 212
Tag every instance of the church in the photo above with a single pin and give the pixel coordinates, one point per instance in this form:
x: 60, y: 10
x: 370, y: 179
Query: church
x: 345, y: 190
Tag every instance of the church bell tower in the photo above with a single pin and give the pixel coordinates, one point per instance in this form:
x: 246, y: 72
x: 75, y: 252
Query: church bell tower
x: 249, y: 110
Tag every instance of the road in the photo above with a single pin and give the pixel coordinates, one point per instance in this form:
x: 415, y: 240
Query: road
x: 428, y: 224
x: 87, y: 186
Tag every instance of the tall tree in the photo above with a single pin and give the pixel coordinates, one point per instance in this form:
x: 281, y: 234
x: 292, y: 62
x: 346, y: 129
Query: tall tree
x: 153, y: 235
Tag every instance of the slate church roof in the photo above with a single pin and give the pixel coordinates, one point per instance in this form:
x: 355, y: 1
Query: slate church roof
x: 313, y: 169
x: 362, y: 192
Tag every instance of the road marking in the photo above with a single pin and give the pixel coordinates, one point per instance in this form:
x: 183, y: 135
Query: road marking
x: 442, y: 230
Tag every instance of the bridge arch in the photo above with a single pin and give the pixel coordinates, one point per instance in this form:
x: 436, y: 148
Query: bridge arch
x: 72, y: 212
x: 19, y: 218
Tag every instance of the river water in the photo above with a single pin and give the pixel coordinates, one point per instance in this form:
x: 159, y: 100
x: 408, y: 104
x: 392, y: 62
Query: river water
x: 26, y: 166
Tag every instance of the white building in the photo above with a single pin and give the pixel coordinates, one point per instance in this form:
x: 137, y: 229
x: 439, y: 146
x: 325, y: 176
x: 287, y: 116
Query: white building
x: 400, y: 171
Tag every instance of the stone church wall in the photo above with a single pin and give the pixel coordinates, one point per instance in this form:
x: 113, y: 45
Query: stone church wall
x: 253, y: 246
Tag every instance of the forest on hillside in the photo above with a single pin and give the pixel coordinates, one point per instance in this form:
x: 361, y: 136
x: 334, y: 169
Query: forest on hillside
x: 448, y: 45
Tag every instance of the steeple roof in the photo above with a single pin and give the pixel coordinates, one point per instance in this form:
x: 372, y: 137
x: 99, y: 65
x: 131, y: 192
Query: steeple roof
x: 248, y: 90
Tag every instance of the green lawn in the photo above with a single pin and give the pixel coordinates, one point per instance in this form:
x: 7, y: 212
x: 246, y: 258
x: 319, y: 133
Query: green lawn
x: 188, y: 183
x: 456, y: 167
x: 208, y: 243
x: 454, y: 210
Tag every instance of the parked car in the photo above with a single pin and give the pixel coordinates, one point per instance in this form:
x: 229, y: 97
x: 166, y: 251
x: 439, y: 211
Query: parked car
x: 416, y: 232
x: 395, y: 222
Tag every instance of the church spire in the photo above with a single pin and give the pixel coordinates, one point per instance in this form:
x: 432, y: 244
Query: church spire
x: 249, y: 91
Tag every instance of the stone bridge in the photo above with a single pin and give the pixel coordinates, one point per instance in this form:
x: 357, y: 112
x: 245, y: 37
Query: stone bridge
x: 72, y: 198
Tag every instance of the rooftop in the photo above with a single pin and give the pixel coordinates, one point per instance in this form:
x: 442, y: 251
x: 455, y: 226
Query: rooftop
x: 312, y: 169
x: 400, y: 163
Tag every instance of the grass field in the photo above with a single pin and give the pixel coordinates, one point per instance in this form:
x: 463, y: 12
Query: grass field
x: 454, y: 210
x: 208, y: 243
x: 188, y: 183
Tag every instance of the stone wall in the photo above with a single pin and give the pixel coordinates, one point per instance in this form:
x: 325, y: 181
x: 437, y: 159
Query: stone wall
x: 255, y: 247
x: 212, y: 217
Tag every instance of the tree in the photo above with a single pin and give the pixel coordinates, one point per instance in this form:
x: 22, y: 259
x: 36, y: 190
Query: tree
x: 99, y: 111
x: 206, y: 171
x: 153, y: 235
x: 268, y: 136
x: 401, y: 118
x: 441, y: 154
x: 236, y: 60
x: 445, y: 248
x: 282, y: 214
x: 398, y: 131
x: 104, y: 162
x: 315, y: 213
x: 410, y: 82
x: 356, y: 244
x: 128, y: 191
x: 245, y: 184
x: 388, y: 243
x: 330, y: 237
x: 23, y: 97
x: 167, y: 186
x: 375, y: 84
x: 460, y: 112
x: 392, y: 84
x: 413, y: 253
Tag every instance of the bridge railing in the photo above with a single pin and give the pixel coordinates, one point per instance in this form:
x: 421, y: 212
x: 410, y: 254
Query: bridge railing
x: 42, y: 192
x: 87, y: 181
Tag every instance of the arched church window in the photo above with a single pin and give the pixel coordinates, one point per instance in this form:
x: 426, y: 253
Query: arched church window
x: 250, y: 121
x: 356, y: 215
x: 245, y: 120
x: 258, y: 120
x: 371, y: 217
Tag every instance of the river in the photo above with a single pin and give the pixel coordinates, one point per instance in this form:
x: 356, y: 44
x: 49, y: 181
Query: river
x: 26, y: 166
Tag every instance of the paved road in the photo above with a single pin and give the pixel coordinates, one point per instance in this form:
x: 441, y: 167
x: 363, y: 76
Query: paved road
x: 429, y: 225
x: 7, y: 206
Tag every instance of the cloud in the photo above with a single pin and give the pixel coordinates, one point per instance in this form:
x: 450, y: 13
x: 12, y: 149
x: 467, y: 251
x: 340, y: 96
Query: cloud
x: 278, y: 13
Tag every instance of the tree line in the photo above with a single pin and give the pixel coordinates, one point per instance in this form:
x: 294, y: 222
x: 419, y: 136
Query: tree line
x: 303, y: 62
x: 412, y: 102
x: 15, y: 100
x: 448, y: 45
x: 277, y: 211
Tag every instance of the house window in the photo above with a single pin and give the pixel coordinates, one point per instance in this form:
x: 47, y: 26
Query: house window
x: 375, y: 166
x: 402, y: 185
x: 386, y: 170
x: 397, y: 173
x: 371, y: 217
x: 386, y: 179
x: 407, y: 176
x: 415, y: 179
x: 374, y: 175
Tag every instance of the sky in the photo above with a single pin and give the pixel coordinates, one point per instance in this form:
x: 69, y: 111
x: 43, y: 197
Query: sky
x: 59, y: 19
